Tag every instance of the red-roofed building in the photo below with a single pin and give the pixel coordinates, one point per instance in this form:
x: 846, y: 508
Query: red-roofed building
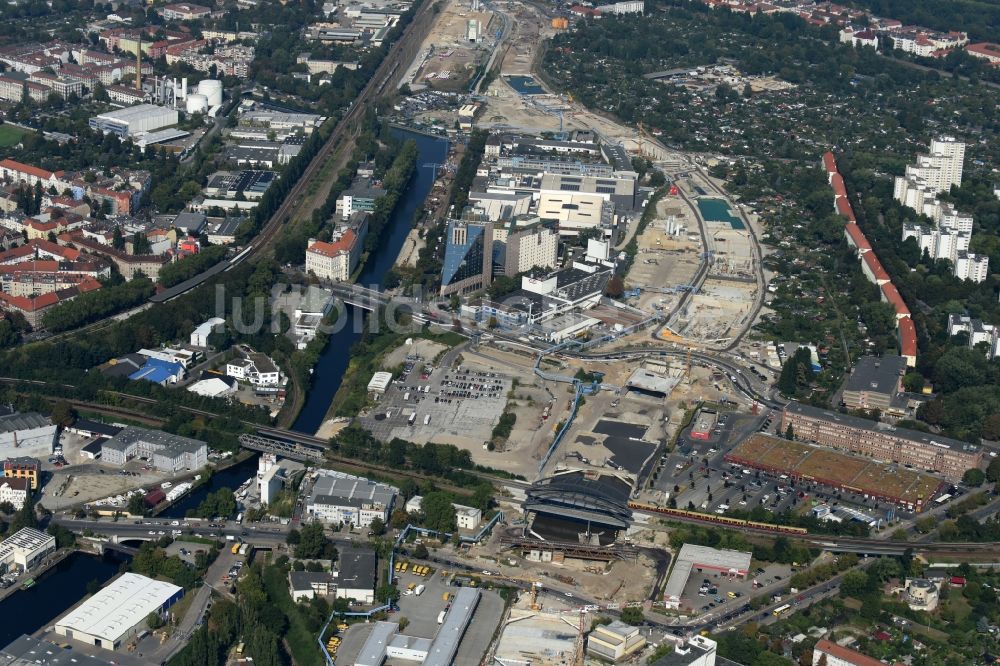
x: 856, y: 238
x: 25, y: 173
x: 837, y: 655
x: 336, y: 260
x: 891, y: 296
x: 986, y: 51
x: 590, y: 12
x: 34, y: 307
x: 844, y: 208
x: 837, y: 182
x: 873, y: 270
x: 829, y: 163
x: 956, y: 581
x: 43, y: 249
x: 908, y: 341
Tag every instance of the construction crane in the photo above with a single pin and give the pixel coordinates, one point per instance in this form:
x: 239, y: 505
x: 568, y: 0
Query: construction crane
x: 534, y: 586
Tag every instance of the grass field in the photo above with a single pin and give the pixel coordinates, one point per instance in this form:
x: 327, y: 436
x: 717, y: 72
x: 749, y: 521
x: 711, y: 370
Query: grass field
x: 10, y: 135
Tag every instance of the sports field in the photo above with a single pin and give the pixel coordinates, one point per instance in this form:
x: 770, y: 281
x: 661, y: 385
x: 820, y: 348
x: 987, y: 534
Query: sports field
x: 10, y: 135
x: 811, y: 463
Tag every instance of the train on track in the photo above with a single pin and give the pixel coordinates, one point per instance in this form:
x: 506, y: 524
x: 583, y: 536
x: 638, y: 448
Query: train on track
x: 714, y: 519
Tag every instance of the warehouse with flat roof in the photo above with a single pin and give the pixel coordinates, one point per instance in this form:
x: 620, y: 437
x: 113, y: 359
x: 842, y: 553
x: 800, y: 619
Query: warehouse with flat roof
x: 119, y: 611
x: 133, y: 120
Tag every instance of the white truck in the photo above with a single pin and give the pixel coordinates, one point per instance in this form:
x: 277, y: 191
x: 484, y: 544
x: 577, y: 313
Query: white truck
x: 419, y: 590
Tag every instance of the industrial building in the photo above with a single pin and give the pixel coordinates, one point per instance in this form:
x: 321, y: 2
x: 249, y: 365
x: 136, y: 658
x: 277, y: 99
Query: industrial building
x: 924, y: 451
x: 379, y: 382
x: 167, y: 452
x: 355, y: 575
x: 25, y: 548
x: 199, y: 336
x: 28, y: 651
x: 133, y: 120
x: 729, y: 562
x: 874, y: 382
x: 342, y: 498
x: 385, y: 641
x: 25, y: 434
x: 118, y: 612
x: 615, y: 641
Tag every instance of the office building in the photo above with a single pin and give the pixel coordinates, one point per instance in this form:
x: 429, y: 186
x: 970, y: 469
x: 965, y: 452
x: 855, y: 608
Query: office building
x: 874, y: 382
x: 166, y: 452
x: 923, y: 451
x: 25, y: 548
x: 134, y: 119
x: 468, y: 257
x: 118, y: 612
x: 615, y: 641
x: 731, y: 563
x: 342, y: 498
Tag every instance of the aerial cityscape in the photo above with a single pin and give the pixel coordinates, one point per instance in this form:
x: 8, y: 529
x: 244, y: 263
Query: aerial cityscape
x: 500, y: 333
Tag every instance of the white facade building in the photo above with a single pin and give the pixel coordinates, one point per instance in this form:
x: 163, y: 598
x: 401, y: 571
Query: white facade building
x: 256, y: 369
x: 166, y: 451
x: 25, y: 548
x: 119, y: 611
x: 343, y: 498
x: 969, y: 266
x: 467, y: 517
x: 199, y: 336
x: 14, y: 490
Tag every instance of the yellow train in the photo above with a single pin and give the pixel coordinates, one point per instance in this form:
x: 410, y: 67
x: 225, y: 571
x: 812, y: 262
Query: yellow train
x: 715, y: 519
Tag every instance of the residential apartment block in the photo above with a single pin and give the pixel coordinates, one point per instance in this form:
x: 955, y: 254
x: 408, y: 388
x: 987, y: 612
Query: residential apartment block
x: 874, y: 382
x: 978, y: 331
x: 949, y: 457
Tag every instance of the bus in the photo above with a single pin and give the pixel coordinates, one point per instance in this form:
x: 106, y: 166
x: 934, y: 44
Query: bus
x: 412, y: 419
x: 427, y: 419
x: 944, y: 498
x: 781, y: 610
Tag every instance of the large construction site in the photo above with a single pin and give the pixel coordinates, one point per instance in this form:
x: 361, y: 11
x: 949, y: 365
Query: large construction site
x: 458, y: 43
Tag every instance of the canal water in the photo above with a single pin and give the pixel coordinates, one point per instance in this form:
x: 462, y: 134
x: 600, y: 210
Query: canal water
x: 27, y: 611
x: 231, y: 477
x: 333, y: 363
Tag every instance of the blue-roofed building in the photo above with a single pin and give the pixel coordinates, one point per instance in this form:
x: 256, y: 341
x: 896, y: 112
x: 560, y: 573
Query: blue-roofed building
x: 159, y: 372
x: 468, y: 257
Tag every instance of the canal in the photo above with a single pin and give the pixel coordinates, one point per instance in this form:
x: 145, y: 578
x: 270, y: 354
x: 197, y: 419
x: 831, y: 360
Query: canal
x: 333, y: 363
x: 27, y: 611
x: 231, y: 477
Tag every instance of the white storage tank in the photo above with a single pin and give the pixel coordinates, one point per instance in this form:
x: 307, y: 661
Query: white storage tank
x: 197, y: 103
x: 211, y: 89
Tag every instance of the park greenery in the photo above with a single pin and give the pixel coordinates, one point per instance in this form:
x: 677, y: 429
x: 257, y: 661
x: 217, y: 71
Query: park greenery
x: 220, y: 504
x: 96, y: 305
x: 191, y: 265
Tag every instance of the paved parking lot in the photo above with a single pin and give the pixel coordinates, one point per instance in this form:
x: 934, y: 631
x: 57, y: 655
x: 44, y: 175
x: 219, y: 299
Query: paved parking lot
x: 717, y: 486
x: 719, y: 604
x: 420, y: 406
